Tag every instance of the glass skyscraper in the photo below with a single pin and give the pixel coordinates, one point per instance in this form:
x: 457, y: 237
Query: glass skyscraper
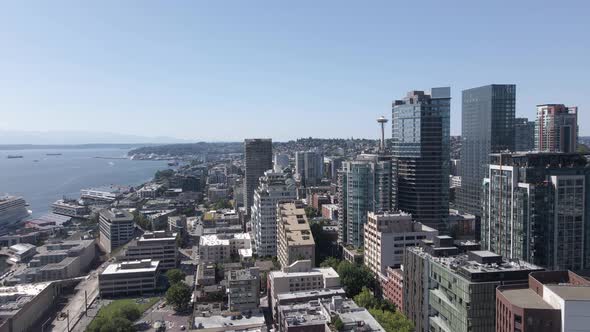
x: 487, y: 127
x: 421, y: 156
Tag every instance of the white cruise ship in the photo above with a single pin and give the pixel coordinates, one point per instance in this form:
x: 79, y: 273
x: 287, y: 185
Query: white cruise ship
x: 12, y: 210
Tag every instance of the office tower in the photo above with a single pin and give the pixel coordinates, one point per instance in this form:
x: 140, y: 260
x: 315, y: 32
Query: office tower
x: 524, y: 134
x: 487, y: 127
x: 258, y: 159
x: 294, y: 239
x: 551, y: 301
x: 536, y: 208
x: 116, y: 228
x: 310, y: 167
x: 157, y: 245
x: 273, y: 188
x: 556, y: 128
x: 446, y: 290
x: 364, y: 185
x: 386, y: 236
x: 280, y: 162
x: 421, y: 156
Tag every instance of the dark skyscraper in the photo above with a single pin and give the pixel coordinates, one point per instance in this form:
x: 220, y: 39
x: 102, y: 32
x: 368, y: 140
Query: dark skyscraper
x: 258, y: 157
x: 420, y: 150
x: 524, y: 134
x: 487, y: 127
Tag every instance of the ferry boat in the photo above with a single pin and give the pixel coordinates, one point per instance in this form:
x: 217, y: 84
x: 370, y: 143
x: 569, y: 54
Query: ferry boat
x: 53, y: 154
x: 14, y: 156
x: 12, y: 210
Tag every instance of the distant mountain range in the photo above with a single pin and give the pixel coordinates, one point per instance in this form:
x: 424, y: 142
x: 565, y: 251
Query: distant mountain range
x: 39, y: 139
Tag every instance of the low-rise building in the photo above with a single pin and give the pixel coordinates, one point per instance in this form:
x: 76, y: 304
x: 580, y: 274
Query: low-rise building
x: 300, y: 276
x: 69, y: 207
x: 353, y: 255
x: 149, y: 190
x: 393, y: 287
x: 552, y: 301
x: 177, y: 224
x: 224, y: 247
x: 23, y: 306
x: 386, y: 237
x: 158, y: 245
x: 294, y: 239
x: 116, y: 228
x: 205, y: 275
x: 22, y: 252
x: 57, y: 261
x: 330, y: 211
x: 243, y: 289
x: 104, y: 194
x: 318, y: 315
x: 129, y: 278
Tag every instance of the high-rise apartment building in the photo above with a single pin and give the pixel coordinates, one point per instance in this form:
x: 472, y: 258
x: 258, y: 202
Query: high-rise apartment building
x: 386, y: 236
x: 294, y: 239
x: 524, y: 134
x: 487, y: 127
x: 273, y: 188
x: 556, y: 128
x: 309, y: 165
x: 536, y: 209
x: 364, y: 185
x: 445, y: 290
x: 421, y: 155
x: 258, y: 159
x: 116, y: 228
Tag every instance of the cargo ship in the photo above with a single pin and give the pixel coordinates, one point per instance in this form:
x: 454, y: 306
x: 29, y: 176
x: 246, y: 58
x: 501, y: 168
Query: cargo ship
x: 13, y: 156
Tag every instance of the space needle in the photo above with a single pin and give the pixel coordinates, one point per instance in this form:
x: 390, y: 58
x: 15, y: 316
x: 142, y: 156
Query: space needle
x: 382, y: 120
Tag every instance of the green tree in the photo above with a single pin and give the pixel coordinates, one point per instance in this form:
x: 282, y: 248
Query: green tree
x: 332, y: 262
x: 338, y: 324
x: 179, y: 295
x: 311, y: 212
x: 354, y: 277
x: 129, y: 312
x: 366, y: 299
x: 175, y: 276
x: 392, y: 321
x: 122, y: 324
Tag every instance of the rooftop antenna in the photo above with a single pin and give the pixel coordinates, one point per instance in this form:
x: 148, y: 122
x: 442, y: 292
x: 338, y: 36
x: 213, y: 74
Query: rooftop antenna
x: 382, y: 120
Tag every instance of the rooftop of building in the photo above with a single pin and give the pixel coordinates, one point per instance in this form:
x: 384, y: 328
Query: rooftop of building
x: 227, y: 321
x: 324, y: 292
x: 157, y: 236
x: 68, y: 202
x: 144, y: 265
x: 222, y: 239
x: 116, y: 215
x: 473, y: 263
x: 303, y: 314
x: 113, y: 189
x: 13, y: 298
x: 21, y: 248
x: 524, y: 298
x: 294, y: 221
x: 245, y: 274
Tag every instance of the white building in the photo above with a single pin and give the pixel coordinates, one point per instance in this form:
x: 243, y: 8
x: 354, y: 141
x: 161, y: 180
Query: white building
x: 224, y: 247
x: 273, y: 188
x: 129, y: 278
x: 386, y: 236
x: 300, y: 276
x: 158, y: 245
x: 70, y: 208
x: 149, y: 190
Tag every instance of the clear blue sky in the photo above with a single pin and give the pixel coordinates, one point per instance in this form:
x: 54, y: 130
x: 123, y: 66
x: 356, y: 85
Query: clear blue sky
x: 225, y: 70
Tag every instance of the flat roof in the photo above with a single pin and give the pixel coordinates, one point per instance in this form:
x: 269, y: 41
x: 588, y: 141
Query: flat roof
x: 525, y: 298
x: 570, y: 292
x: 115, y: 268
